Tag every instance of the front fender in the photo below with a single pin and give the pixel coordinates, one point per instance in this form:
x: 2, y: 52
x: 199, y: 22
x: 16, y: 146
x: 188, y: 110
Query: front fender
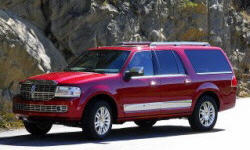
x: 97, y: 90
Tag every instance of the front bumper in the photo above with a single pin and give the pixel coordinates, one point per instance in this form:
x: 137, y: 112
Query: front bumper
x: 57, y: 109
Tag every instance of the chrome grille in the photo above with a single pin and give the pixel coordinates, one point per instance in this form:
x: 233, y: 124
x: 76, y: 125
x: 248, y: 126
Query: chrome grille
x: 38, y: 90
x: 41, y: 108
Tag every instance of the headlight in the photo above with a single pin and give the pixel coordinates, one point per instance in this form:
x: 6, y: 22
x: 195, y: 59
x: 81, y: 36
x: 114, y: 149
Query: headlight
x: 67, y: 91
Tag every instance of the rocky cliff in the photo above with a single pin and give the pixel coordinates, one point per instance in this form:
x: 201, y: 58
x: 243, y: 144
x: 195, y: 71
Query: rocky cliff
x: 39, y: 36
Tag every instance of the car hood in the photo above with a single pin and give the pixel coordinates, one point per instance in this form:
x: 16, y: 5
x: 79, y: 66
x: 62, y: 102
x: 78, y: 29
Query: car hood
x: 70, y: 77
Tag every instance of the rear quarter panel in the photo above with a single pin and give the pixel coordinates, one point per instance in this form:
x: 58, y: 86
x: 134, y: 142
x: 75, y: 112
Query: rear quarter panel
x: 220, y: 84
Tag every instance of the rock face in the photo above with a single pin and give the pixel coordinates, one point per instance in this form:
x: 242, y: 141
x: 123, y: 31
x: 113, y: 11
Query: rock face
x: 24, y: 51
x: 71, y: 26
x: 27, y: 9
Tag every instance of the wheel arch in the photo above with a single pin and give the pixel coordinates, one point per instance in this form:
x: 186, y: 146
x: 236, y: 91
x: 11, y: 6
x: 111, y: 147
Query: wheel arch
x: 107, y: 98
x: 212, y: 94
x: 210, y: 89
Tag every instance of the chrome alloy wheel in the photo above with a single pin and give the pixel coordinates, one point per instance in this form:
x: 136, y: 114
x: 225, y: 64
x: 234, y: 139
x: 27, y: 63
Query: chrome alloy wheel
x: 207, y: 114
x: 102, y: 120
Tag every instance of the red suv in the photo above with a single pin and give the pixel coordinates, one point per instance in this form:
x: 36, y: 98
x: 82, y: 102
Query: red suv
x: 134, y: 81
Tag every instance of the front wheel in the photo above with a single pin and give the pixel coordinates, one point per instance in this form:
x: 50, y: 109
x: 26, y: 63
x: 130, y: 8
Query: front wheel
x: 205, y: 114
x: 97, y: 121
x: 37, y: 129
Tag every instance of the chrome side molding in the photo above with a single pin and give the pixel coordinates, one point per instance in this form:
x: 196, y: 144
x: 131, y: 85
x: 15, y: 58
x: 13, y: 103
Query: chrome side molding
x: 206, y: 73
x: 178, y: 104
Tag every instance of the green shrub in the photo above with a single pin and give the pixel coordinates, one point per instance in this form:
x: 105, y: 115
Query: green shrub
x: 7, y: 118
x: 189, y: 4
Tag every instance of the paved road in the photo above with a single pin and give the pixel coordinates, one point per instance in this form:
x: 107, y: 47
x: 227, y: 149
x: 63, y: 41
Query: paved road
x: 231, y: 132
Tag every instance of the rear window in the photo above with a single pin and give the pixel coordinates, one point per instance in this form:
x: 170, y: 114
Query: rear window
x: 208, y: 61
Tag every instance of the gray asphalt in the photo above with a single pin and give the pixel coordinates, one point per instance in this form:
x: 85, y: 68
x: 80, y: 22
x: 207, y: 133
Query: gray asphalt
x: 231, y: 132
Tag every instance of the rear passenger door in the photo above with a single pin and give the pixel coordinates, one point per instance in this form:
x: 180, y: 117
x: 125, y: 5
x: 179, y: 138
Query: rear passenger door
x: 175, y: 84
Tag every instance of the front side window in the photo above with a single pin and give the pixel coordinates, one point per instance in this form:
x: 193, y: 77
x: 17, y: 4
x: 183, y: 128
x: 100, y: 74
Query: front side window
x: 142, y: 59
x: 208, y: 61
x: 102, y: 61
x: 169, y: 63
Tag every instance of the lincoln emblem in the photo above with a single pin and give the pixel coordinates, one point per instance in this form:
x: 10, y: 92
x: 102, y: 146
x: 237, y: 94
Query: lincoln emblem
x: 32, y: 90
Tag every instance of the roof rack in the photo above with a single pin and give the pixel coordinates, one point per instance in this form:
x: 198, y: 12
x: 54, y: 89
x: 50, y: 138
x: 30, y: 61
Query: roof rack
x: 164, y: 43
x: 180, y: 43
x: 134, y: 43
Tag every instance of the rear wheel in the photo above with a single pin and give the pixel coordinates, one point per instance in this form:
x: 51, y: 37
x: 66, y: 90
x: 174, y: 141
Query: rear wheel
x: 37, y: 128
x: 145, y: 123
x: 205, y: 114
x: 97, y: 121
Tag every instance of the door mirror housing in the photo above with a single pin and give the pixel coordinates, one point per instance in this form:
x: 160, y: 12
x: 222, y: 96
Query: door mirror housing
x: 135, y: 71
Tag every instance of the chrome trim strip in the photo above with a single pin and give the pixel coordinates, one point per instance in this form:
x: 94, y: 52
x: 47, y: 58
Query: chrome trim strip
x: 158, y: 76
x: 178, y: 104
x: 41, y: 108
x: 40, y: 82
x: 225, y: 72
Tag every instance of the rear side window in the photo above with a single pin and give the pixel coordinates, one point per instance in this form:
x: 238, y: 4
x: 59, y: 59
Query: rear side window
x: 179, y: 63
x: 169, y: 63
x: 208, y: 61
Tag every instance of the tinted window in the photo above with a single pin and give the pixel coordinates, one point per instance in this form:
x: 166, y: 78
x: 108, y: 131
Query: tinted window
x: 106, y: 61
x: 167, y: 62
x: 142, y: 59
x: 179, y: 63
x: 208, y: 61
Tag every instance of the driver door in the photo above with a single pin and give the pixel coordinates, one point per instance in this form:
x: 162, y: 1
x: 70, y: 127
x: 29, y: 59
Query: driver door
x: 139, y: 93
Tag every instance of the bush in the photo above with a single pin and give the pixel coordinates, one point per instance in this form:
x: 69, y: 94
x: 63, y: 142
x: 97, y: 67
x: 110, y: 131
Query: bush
x: 7, y: 118
x: 193, y: 7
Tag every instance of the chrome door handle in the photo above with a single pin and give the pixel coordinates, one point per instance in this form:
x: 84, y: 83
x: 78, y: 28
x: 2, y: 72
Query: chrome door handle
x: 153, y: 83
x: 187, y: 81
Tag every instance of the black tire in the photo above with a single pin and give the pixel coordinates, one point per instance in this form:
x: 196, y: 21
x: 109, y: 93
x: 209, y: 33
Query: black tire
x: 145, y: 123
x: 89, y: 119
x: 197, y: 118
x: 37, y: 129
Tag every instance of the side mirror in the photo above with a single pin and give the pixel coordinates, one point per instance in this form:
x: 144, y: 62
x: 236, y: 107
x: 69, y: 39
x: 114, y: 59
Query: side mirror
x: 135, y: 71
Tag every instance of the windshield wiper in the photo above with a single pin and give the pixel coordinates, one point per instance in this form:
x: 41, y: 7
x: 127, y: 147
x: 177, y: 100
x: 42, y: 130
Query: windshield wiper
x: 81, y: 69
x: 94, y: 70
x: 66, y: 69
x: 75, y: 69
x: 99, y: 71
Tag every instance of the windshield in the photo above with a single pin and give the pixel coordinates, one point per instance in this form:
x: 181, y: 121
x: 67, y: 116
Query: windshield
x: 101, y: 61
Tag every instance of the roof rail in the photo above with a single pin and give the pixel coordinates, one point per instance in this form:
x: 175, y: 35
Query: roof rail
x: 134, y: 43
x: 164, y: 43
x: 180, y: 43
